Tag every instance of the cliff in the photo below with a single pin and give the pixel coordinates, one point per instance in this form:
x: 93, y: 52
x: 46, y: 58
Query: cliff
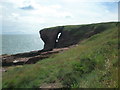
x: 70, y: 35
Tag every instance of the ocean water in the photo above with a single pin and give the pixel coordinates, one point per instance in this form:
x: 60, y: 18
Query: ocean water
x: 13, y: 44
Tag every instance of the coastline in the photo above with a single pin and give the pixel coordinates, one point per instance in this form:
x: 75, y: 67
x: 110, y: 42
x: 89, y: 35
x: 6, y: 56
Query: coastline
x: 29, y: 57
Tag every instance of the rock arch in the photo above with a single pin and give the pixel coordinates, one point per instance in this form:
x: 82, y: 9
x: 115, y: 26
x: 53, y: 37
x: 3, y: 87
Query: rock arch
x: 49, y: 36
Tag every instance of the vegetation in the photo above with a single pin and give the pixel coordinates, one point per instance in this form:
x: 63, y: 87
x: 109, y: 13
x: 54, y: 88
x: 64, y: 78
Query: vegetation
x: 92, y: 64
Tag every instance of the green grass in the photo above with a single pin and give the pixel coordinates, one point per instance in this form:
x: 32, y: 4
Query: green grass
x: 92, y: 64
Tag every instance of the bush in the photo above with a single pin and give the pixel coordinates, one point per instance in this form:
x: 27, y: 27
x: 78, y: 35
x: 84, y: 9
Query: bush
x: 68, y: 78
x: 85, y: 66
x: 72, y: 78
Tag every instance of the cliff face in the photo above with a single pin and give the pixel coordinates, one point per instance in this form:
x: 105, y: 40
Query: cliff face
x: 49, y: 37
x: 70, y: 35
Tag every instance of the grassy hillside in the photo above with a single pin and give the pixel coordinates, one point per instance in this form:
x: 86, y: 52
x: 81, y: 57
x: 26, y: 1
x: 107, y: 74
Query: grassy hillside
x: 92, y: 64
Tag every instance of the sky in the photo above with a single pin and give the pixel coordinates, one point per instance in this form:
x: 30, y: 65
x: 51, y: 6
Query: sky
x: 30, y: 16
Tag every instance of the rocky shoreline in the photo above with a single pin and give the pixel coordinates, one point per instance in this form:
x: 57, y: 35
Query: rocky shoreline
x: 28, y: 57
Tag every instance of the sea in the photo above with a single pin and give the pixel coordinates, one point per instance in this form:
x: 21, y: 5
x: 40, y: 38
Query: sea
x: 13, y: 44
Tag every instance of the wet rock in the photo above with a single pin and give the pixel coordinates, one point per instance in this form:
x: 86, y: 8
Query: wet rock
x: 28, y: 58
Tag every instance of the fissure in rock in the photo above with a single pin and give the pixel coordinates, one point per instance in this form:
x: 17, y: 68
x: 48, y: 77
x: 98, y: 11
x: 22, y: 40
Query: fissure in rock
x: 57, y: 39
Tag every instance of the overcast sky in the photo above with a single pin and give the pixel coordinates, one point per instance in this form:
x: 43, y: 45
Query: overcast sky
x: 30, y: 16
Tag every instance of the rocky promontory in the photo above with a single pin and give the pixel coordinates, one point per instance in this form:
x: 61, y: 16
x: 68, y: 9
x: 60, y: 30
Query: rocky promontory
x: 69, y: 35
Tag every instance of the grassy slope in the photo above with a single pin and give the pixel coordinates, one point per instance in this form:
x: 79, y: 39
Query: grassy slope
x: 92, y: 64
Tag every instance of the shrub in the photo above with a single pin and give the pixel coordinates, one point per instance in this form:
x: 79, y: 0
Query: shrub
x: 85, y: 66
x: 72, y: 78
x: 68, y: 78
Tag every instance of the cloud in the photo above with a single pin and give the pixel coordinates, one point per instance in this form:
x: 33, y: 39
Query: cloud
x: 29, y: 7
x: 15, y: 15
x: 73, y: 1
x: 68, y: 17
x: 33, y: 15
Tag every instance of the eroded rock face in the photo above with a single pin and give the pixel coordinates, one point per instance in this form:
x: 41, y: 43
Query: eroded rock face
x: 67, y: 38
x: 49, y: 37
x: 70, y: 35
